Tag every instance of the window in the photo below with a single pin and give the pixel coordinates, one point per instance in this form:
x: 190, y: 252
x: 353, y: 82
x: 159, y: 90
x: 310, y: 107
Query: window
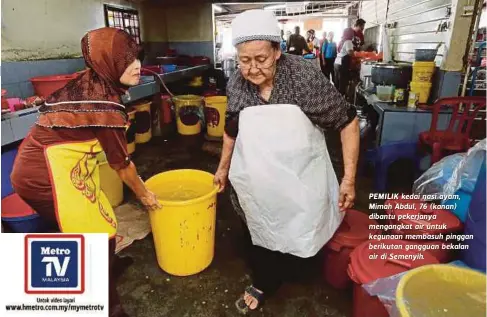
x: 124, y: 19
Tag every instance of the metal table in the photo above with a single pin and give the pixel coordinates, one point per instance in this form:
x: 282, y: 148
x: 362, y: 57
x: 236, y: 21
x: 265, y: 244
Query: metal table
x: 401, y: 124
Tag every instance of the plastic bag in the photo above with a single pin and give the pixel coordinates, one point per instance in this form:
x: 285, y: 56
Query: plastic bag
x: 452, y: 173
x: 385, y: 289
x: 284, y: 180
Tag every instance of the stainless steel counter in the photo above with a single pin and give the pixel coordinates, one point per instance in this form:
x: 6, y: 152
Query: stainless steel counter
x: 16, y: 125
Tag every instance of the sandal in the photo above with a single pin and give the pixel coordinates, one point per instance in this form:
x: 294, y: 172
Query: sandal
x: 253, y: 292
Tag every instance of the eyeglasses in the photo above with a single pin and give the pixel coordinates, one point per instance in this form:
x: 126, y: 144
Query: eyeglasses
x: 258, y: 65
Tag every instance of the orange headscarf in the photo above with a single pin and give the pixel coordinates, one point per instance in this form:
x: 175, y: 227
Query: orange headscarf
x: 93, y: 99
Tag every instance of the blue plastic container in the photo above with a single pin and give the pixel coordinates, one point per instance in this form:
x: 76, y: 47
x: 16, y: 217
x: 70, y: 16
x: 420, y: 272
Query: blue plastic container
x: 168, y: 68
x: 384, y: 156
x: 462, y: 204
x: 475, y: 225
x: 28, y: 224
x: 8, y: 159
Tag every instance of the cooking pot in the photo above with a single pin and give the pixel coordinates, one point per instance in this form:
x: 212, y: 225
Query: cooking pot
x: 392, y: 74
x: 367, y: 82
x: 366, y: 69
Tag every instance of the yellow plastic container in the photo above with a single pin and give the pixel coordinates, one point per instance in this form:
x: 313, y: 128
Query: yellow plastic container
x: 441, y: 290
x: 143, y: 123
x: 184, y: 228
x: 110, y: 182
x: 130, y: 132
x: 215, y: 111
x: 187, y: 109
x: 422, y: 90
x: 423, y: 71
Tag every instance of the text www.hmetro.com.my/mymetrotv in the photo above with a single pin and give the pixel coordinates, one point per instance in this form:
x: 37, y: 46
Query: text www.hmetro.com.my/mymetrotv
x: 59, y: 308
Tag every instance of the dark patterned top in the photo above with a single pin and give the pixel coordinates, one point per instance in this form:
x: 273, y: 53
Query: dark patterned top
x: 297, y: 82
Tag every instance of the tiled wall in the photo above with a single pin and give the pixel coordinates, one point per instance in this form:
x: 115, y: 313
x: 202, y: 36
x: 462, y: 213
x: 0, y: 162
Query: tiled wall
x: 15, y: 75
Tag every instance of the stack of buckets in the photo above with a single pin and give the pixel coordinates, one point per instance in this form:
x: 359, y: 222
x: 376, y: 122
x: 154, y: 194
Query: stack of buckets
x: 352, y: 259
x: 189, y: 115
x: 440, y: 217
x: 422, y: 80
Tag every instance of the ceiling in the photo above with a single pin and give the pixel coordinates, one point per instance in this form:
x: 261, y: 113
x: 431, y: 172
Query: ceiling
x: 287, y: 10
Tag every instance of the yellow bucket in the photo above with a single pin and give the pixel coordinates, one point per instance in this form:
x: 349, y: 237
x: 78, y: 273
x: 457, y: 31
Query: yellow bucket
x: 215, y: 111
x: 441, y: 290
x: 143, y: 123
x: 422, y: 90
x: 423, y: 71
x: 184, y: 228
x: 110, y: 182
x: 130, y: 132
x: 187, y: 109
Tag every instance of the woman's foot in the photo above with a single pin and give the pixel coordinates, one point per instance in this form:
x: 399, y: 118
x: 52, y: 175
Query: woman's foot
x: 251, y: 299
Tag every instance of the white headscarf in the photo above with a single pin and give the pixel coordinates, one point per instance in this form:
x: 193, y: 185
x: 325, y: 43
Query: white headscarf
x: 255, y: 25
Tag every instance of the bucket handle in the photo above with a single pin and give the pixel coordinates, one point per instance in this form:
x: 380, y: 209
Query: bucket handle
x: 334, y: 246
x: 352, y: 275
x: 404, y: 264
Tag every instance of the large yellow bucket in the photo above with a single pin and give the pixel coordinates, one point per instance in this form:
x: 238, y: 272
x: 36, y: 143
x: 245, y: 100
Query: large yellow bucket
x: 215, y: 111
x: 423, y: 71
x: 143, y: 123
x: 441, y: 290
x: 187, y: 109
x: 130, y: 132
x: 184, y: 228
x: 110, y: 182
x: 422, y: 90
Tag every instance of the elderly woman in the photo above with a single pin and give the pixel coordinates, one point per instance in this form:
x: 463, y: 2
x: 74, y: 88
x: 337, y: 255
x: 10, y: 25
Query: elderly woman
x: 56, y: 170
x: 269, y: 78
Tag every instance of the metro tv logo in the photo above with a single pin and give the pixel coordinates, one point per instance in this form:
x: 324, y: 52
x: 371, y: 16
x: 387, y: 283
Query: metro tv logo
x: 54, y: 264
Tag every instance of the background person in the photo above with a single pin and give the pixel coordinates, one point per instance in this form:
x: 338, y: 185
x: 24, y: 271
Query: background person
x: 358, y: 36
x: 328, y: 56
x: 343, y: 61
x: 297, y: 44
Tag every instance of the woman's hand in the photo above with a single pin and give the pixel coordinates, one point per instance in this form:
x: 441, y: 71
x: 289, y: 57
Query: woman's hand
x: 149, y: 200
x: 347, y: 194
x: 221, y: 179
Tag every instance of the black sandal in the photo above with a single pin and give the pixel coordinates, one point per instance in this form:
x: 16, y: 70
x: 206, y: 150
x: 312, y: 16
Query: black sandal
x: 242, y: 305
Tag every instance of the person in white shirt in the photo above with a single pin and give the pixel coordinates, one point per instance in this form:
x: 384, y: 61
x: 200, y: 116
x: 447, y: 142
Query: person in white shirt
x: 343, y: 61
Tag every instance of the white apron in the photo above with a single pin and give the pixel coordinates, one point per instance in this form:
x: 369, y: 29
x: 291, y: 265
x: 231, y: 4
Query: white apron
x: 284, y: 180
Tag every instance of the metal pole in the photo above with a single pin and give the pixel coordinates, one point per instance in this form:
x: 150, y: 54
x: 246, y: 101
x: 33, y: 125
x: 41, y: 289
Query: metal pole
x: 472, y: 46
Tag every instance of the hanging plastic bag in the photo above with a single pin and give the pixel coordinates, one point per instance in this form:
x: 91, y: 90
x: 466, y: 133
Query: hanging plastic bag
x: 452, y: 173
x: 284, y: 180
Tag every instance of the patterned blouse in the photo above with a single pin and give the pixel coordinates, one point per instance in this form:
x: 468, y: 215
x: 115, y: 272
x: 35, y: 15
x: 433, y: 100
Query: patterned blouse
x: 297, y: 82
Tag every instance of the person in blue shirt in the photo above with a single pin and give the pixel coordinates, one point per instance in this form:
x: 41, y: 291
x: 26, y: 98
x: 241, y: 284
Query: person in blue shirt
x: 328, y: 55
x: 283, y: 42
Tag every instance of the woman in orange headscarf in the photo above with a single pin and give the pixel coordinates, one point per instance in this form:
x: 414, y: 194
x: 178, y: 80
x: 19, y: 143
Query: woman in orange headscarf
x: 56, y: 170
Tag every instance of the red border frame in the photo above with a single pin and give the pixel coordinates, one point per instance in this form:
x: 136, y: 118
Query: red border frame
x: 54, y: 236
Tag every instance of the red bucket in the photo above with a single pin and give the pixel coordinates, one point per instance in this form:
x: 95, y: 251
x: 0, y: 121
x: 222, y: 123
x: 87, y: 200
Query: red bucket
x: 364, y: 268
x: 354, y: 230
x: 4, y: 99
x: 44, y: 86
x: 166, y: 112
x: 444, y: 222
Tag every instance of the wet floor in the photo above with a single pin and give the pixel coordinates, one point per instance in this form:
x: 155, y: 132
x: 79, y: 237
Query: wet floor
x: 148, y: 291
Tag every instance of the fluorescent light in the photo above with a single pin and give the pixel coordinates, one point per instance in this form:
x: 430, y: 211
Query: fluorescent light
x: 217, y: 8
x: 274, y: 7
